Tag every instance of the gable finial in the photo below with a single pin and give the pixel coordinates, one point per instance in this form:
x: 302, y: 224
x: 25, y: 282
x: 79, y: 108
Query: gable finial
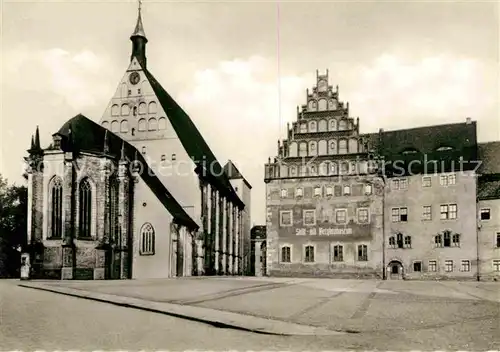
x: 37, y: 138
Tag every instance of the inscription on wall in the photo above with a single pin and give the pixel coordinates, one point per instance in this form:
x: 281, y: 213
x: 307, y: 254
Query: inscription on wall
x: 323, y: 231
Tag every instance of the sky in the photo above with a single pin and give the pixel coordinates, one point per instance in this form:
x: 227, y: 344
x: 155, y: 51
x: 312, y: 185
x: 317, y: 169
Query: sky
x: 239, y: 69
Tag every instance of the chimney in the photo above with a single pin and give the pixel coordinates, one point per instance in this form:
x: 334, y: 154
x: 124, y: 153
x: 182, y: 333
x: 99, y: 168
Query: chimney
x: 468, y: 121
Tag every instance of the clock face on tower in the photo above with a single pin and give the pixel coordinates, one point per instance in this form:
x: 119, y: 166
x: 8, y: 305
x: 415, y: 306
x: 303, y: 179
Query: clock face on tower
x: 134, y: 78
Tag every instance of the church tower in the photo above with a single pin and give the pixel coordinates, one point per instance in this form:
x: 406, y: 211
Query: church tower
x: 135, y: 113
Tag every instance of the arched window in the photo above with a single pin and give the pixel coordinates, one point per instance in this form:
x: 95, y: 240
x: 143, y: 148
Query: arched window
x: 333, y: 125
x: 333, y: 169
x: 311, y: 106
x: 342, y: 125
x: 55, y: 217
x: 303, y: 128
x: 142, y: 125
x: 85, y: 206
x: 332, y: 147
x: 147, y: 245
x: 342, y: 146
x: 152, y: 124
x: 292, y: 171
x: 313, y: 150
x: 105, y: 124
x: 293, y: 149
x: 115, y: 126
x: 332, y: 105
x: 399, y: 240
x: 309, y: 254
x: 286, y: 254
x: 162, y: 123
x: 125, y: 110
x: 303, y: 149
x: 142, y: 108
x: 323, y: 168
x: 124, y: 126
x: 312, y: 126
x: 353, y: 145
x: 322, y: 126
x: 322, y: 105
x: 115, y: 110
x: 322, y: 148
x: 152, y: 107
x: 113, y: 209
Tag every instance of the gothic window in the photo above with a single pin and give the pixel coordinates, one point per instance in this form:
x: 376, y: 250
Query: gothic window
x: 125, y: 110
x: 293, y: 149
x: 313, y: 148
x: 342, y: 146
x: 333, y: 168
x: 113, y: 208
x: 152, y: 107
x: 147, y: 240
x: 162, y: 123
x: 142, y: 108
x: 353, y: 145
x: 338, y: 253
x: 115, y: 110
x: 332, y: 105
x: 362, y: 253
x: 312, y: 126
x: 85, y: 206
x: 333, y: 125
x: 342, y: 125
x: 322, y: 127
x: 309, y: 254
x: 124, y: 126
x: 55, y: 229
x: 332, y: 147
x: 105, y: 124
x: 322, y: 147
x: 322, y: 105
x: 344, y: 167
x: 303, y: 149
x: 152, y: 123
x: 142, y: 125
x: 323, y: 168
x: 353, y: 167
x: 311, y: 106
x: 303, y: 128
x: 286, y: 254
x: 115, y: 126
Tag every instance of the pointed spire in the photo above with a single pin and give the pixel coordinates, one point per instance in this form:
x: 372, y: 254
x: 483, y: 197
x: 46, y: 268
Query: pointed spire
x: 139, y: 40
x: 122, y: 154
x: 106, y: 142
x: 139, y: 28
x: 37, y: 138
x: 32, y: 143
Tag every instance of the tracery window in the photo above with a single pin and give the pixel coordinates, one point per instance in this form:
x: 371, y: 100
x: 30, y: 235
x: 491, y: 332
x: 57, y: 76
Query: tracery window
x: 85, y: 206
x: 55, y: 227
x: 147, y: 241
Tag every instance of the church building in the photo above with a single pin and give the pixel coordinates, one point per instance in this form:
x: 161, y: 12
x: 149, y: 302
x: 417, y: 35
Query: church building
x: 137, y: 195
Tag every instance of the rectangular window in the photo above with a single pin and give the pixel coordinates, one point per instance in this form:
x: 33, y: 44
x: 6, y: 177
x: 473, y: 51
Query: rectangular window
x: 286, y: 254
x: 456, y: 240
x: 362, y: 253
x: 403, y: 183
x: 329, y: 191
x: 448, y: 266
x: 448, y: 211
x: 286, y: 218
x: 452, y: 179
x: 163, y: 158
x: 338, y: 253
x: 174, y: 157
x: 299, y: 192
x: 496, y: 265
x: 368, y: 189
x: 284, y: 193
x: 395, y: 184
x: 362, y: 215
x: 347, y: 190
x: 465, y: 265
x: 395, y: 214
x: 443, y: 180
x: 399, y: 214
x: 143, y: 150
x: 426, y: 181
x: 427, y: 212
x: 341, y: 216
x: 309, y: 254
x: 447, y: 180
x: 309, y: 217
x: 317, y: 191
x: 432, y: 266
x: 417, y: 267
x: 485, y: 214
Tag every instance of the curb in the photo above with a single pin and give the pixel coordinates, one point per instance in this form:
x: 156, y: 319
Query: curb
x: 216, y: 318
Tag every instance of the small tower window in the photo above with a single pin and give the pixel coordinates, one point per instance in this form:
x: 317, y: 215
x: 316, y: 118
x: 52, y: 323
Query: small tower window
x: 143, y: 150
x: 129, y: 92
x: 174, y: 157
x: 163, y: 158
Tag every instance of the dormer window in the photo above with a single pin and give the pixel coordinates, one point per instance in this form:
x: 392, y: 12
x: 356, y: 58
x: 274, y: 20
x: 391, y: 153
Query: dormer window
x: 57, y: 141
x: 409, y: 151
x: 444, y: 148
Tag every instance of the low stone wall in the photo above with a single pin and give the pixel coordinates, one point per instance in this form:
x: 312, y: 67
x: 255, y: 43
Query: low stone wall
x: 324, y: 270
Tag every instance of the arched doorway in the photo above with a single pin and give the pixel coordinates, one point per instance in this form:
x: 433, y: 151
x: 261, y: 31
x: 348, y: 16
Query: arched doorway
x: 395, y: 270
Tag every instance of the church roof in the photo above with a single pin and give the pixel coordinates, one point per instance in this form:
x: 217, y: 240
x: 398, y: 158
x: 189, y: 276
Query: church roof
x: 489, y: 154
x: 88, y: 136
x: 233, y: 173
x: 206, y: 163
